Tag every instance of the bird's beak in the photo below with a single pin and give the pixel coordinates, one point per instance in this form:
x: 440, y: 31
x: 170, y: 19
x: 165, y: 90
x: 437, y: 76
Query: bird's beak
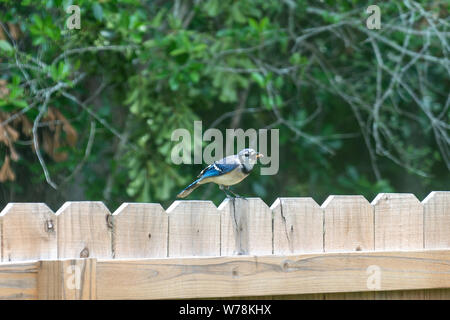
x: 259, y: 155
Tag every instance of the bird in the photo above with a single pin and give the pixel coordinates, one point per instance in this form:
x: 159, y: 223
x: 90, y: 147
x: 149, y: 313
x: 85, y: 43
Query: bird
x: 225, y: 172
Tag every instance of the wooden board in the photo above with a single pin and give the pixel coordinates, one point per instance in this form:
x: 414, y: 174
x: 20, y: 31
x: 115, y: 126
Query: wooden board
x: 202, y: 277
x: 398, y: 221
x: 267, y: 253
x: 84, y: 230
x: 18, y: 281
x: 194, y: 229
x: 297, y: 226
x: 437, y: 220
x: 398, y: 225
x: 140, y: 230
x: 246, y: 227
x: 225, y: 276
x: 348, y: 226
x: 67, y: 279
x: 437, y: 231
x: 28, y: 232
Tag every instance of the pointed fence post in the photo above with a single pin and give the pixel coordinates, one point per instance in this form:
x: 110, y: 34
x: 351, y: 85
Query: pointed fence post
x: 348, y: 226
x: 29, y: 232
x: 84, y: 230
x: 140, y: 230
x: 194, y: 229
x: 246, y: 226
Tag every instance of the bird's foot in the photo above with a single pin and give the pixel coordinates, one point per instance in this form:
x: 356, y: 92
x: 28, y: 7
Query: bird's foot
x: 227, y: 194
x: 236, y: 195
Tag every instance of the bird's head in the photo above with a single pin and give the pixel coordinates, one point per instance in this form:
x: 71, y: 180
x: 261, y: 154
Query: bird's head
x: 249, y: 156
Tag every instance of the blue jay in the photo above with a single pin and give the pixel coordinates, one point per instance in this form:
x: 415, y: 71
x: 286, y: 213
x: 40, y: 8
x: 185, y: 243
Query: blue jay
x: 225, y: 172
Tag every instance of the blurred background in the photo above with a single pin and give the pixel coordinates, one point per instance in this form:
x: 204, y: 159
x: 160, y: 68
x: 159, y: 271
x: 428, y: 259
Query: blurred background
x: 87, y: 114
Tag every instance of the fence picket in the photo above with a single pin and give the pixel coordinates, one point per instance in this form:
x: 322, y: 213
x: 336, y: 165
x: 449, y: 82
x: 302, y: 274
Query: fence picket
x: 348, y: 226
x: 297, y: 226
x: 84, y: 230
x: 398, y: 225
x: 246, y: 227
x: 437, y: 220
x: 398, y: 221
x: 140, y: 230
x: 29, y: 232
x: 437, y: 230
x: 194, y: 229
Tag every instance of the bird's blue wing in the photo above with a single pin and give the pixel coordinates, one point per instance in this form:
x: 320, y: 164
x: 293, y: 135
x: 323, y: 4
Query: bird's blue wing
x: 217, y: 169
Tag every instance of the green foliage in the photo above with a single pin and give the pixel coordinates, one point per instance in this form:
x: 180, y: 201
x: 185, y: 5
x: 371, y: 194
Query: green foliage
x: 167, y: 64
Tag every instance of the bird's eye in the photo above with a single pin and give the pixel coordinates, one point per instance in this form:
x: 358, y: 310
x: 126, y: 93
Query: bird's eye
x: 247, y: 154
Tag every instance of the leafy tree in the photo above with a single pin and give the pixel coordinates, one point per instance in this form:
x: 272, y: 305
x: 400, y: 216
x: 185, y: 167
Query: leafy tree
x: 89, y: 113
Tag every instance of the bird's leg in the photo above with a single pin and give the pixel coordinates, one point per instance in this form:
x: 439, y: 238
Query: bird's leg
x: 235, y: 194
x: 222, y: 187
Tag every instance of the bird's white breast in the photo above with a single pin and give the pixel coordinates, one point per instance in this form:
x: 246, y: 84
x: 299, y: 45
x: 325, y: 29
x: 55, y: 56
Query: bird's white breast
x: 227, y: 179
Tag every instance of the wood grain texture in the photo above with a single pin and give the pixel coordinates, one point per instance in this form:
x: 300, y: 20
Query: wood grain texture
x: 424, y: 294
x: 348, y: 226
x: 437, y: 231
x: 437, y: 220
x: 18, y: 281
x: 194, y: 229
x: 84, y: 230
x: 140, y: 230
x: 398, y: 221
x: 28, y: 232
x: 297, y: 226
x: 398, y: 226
x: 246, y: 227
x: 67, y: 279
x: 242, y: 250
x: 202, y: 277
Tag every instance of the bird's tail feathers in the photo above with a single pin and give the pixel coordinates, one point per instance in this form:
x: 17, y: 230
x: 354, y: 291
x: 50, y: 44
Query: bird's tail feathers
x: 187, y: 191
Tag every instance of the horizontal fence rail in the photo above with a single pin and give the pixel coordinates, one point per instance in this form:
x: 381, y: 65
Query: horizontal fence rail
x: 346, y: 248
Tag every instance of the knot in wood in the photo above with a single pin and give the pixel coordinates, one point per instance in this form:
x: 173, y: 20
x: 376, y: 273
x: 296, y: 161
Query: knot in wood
x: 235, y: 272
x: 109, y: 221
x: 84, y: 253
x: 49, y: 226
x: 285, y: 265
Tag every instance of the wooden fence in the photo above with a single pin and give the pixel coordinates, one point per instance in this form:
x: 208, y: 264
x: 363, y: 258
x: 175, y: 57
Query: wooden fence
x: 394, y: 247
